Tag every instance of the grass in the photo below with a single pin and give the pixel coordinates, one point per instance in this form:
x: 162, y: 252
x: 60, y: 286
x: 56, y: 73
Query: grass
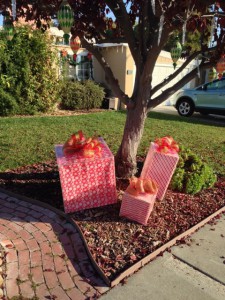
x: 29, y: 140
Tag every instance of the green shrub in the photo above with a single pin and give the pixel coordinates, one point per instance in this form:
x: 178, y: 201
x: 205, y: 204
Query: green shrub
x: 8, y: 105
x: 192, y: 174
x: 80, y: 95
x: 71, y: 95
x: 94, y: 95
x: 177, y: 180
x: 29, y: 71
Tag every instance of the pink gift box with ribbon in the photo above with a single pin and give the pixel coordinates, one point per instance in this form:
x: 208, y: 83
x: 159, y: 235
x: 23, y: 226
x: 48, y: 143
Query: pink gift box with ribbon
x: 86, y: 182
x: 159, y: 167
x: 137, y: 208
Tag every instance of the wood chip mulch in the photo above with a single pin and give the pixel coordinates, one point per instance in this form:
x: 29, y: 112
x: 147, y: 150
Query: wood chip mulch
x: 117, y: 243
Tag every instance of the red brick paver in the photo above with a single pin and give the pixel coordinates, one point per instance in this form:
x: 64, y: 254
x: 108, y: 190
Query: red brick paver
x: 46, y: 257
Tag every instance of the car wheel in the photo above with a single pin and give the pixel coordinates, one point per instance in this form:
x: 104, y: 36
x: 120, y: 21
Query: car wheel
x: 185, y: 107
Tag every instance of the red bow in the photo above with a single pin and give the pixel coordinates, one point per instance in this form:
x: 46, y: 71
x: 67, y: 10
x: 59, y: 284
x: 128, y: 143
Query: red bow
x: 139, y: 185
x: 167, y: 145
x: 78, y: 142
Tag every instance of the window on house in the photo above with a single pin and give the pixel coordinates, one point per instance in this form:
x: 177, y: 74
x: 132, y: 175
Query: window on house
x: 83, y: 70
x: 59, y: 40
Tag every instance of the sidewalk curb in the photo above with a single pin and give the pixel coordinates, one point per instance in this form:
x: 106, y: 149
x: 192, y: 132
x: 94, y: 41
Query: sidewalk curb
x: 166, y: 246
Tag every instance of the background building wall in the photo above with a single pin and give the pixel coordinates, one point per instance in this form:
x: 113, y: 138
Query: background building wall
x: 120, y: 60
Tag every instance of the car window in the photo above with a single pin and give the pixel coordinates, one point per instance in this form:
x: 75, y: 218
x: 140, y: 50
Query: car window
x: 215, y: 85
x: 212, y: 86
x: 221, y: 84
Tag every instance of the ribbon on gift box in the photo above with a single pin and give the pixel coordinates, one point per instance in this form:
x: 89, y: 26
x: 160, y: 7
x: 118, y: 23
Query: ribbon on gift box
x: 87, y: 147
x: 139, y: 186
x: 166, y: 145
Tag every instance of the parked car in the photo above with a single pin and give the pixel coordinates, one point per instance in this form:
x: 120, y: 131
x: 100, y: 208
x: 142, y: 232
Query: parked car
x: 208, y: 98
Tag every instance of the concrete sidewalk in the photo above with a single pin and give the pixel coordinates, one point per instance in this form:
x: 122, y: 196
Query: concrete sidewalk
x: 195, y: 271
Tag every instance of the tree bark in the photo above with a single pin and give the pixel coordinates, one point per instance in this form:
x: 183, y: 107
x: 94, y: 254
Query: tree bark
x: 125, y: 160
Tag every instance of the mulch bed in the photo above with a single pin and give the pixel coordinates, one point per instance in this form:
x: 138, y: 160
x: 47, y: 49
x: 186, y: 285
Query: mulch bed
x: 114, y: 242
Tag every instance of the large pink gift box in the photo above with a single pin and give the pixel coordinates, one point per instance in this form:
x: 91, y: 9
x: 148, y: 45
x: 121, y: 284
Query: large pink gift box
x: 159, y: 167
x: 86, y: 182
x: 137, y: 208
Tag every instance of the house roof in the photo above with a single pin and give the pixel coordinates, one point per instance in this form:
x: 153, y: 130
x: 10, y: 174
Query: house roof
x: 55, y: 31
x: 106, y: 45
x: 163, y: 53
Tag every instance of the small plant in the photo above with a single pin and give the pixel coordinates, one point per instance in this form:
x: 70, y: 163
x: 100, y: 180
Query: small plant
x: 192, y: 174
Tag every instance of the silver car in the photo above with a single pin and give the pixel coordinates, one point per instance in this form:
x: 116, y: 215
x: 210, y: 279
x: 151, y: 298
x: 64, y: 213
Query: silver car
x: 208, y: 98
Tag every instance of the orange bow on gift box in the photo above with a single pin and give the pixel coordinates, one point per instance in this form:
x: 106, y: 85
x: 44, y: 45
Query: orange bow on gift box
x: 77, y: 142
x: 139, y: 185
x: 92, y: 147
x: 167, y: 145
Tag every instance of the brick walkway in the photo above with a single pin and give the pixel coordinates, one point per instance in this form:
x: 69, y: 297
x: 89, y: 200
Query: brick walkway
x: 46, y: 256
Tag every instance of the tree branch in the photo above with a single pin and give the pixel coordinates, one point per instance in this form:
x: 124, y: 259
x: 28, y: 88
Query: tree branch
x: 122, y: 17
x: 142, y: 29
x: 174, y: 75
x: 171, y: 90
x: 108, y: 72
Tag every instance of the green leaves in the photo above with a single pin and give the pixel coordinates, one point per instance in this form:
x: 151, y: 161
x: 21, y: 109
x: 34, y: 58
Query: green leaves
x: 80, y: 95
x: 192, y: 174
x: 8, y: 105
x: 28, y: 68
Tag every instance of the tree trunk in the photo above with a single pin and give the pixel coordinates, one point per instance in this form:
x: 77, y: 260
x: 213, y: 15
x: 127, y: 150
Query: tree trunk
x: 126, y: 165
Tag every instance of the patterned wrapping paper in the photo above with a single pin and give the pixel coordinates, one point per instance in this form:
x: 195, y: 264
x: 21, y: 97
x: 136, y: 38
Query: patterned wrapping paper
x: 137, y: 208
x: 159, y: 167
x: 86, y: 182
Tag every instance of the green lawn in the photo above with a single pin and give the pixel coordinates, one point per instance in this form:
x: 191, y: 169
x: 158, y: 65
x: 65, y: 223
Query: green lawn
x: 29, y: 140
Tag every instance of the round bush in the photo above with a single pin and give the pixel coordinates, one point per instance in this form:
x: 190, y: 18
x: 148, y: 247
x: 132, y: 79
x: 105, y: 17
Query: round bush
x: 8, y: 105
x: 192, y: 174
x: 76, y: 95
x: 71, y: 95
x: 94, y: 94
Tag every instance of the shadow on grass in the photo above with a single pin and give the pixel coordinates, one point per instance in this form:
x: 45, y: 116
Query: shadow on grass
x: 42, y: 183
x: 36, y: 183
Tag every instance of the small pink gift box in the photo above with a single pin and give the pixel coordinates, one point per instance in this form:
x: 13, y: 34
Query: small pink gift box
x: 159, y: 167
x: 137, y: 208
x: 86, y: 182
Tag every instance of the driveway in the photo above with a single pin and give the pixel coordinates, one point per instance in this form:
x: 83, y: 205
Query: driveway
x: 172, y: 111
x: 166, y: 109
